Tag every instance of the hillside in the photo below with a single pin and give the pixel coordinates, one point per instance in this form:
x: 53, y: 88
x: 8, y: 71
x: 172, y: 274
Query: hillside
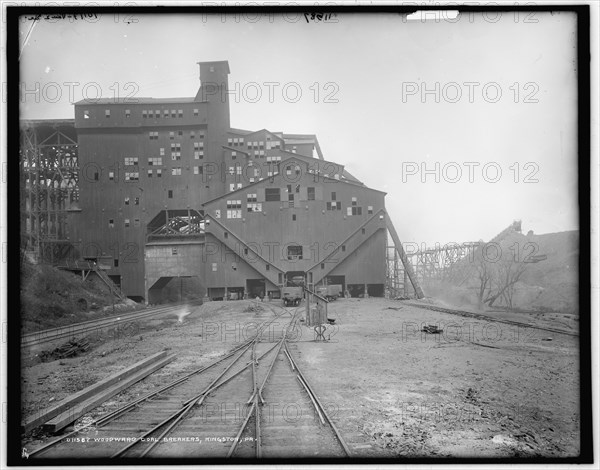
x: 51, y: 297
x: 549, y: 285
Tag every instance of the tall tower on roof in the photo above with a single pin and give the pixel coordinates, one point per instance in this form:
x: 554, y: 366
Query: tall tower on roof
x: 214, y: 89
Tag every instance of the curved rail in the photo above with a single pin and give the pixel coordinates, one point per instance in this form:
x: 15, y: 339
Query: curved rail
x: 43, y: 336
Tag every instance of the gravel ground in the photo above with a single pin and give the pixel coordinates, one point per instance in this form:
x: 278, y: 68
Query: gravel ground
x: 478, y: 389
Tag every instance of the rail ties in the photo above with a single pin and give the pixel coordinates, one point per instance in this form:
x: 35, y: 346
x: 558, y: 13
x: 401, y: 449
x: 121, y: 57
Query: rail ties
x: 256, y: 403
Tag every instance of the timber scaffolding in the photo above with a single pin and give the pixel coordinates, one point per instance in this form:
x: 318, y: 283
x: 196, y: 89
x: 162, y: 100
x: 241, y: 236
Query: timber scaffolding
x: 446, y: 262
x: 48, y: 177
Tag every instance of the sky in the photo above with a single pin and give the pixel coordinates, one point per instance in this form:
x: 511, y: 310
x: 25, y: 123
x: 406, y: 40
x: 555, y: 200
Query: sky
x: 466, y: 124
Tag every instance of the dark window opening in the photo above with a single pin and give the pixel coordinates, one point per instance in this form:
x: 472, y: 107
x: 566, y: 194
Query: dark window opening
x: 294, y: 252
x: 272, y: 194
x: 311, y: 194
x: 333, y: 196
x: 293, y: 217
x: 170, y: 194
x: 116, y: 263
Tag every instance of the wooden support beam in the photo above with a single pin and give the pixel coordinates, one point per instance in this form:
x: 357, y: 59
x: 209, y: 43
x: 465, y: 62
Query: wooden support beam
x: 72, y: 400
x: 64, y: 419
x: 407, y: 266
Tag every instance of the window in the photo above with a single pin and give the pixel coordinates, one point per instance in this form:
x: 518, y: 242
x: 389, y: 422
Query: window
x: 267, y: 267
x: 199, y: 154
x: 226, y: 234
x: 170, y: 194
x: 196, y: 112
x: 137, y: 201
x: 149, y: 173
x: 136, y: 222
x: 159, y: 173
x: 144, y: 113
x: 162, y: 151
x: 173, y: 113
x: 174, y: 250
x: 150, y: 114
x: 333, y: 196
x: 343, y: 247
x: 251, y: 197
x: 311, y: 193
x: 126, y: 201
x: 294, y: 252
x: 254, y: 207
x: 294, y: 217
x: 231, y: 187
x: 130, y: 161
x: 166, y: 113
x: 192, y: 134
x: 155, y: 161
x: 115, y: 263
x: 272, y: 194
x: 180, y: 113
x: 334, y: 206
x: 86, y: 114
x: 176, y: 171
x: 369, y: 209
x: 363, y: 230
x: 234, y: 209
x: 180, y: 133
x: 131, y: 176
x: 198, y: 170
x: 153, y: 135
x: 111, y: 223
x: 107, y: 113
x: 126, y: 222
x: 171, y: 135
x: 217, y: 213
x: 356, y: 210
x: 214, y: 267
x: 111, y: 175
x: 127, y: 115
x: 157, y: 112
x: 322, y: 265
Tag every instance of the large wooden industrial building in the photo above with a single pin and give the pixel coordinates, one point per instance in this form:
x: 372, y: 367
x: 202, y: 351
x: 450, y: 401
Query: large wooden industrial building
x: 168, y: 190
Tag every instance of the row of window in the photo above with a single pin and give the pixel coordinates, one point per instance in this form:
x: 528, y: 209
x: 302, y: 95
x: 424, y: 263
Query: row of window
x: 132, y: 176
x: 153, y: 135
x: 147, y: 113
x: 126, y: 222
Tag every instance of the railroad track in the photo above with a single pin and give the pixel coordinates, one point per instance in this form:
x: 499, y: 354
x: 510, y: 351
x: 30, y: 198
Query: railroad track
x: 253, y: 402
x: 84, y: 328
x: 483, y: 317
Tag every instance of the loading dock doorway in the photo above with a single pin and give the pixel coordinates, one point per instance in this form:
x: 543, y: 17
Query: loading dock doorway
x: 255, y: 288
x: 340, y: 280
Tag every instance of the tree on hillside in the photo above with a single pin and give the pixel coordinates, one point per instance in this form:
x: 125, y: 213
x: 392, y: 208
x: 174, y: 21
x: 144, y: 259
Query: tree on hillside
x: 497, y: 272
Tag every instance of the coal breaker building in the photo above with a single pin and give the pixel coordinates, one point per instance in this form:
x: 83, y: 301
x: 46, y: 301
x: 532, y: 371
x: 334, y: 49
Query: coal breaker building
x: 169, y: 191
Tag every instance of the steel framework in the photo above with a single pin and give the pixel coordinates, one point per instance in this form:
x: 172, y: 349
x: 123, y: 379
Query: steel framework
x: 49, y: 185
